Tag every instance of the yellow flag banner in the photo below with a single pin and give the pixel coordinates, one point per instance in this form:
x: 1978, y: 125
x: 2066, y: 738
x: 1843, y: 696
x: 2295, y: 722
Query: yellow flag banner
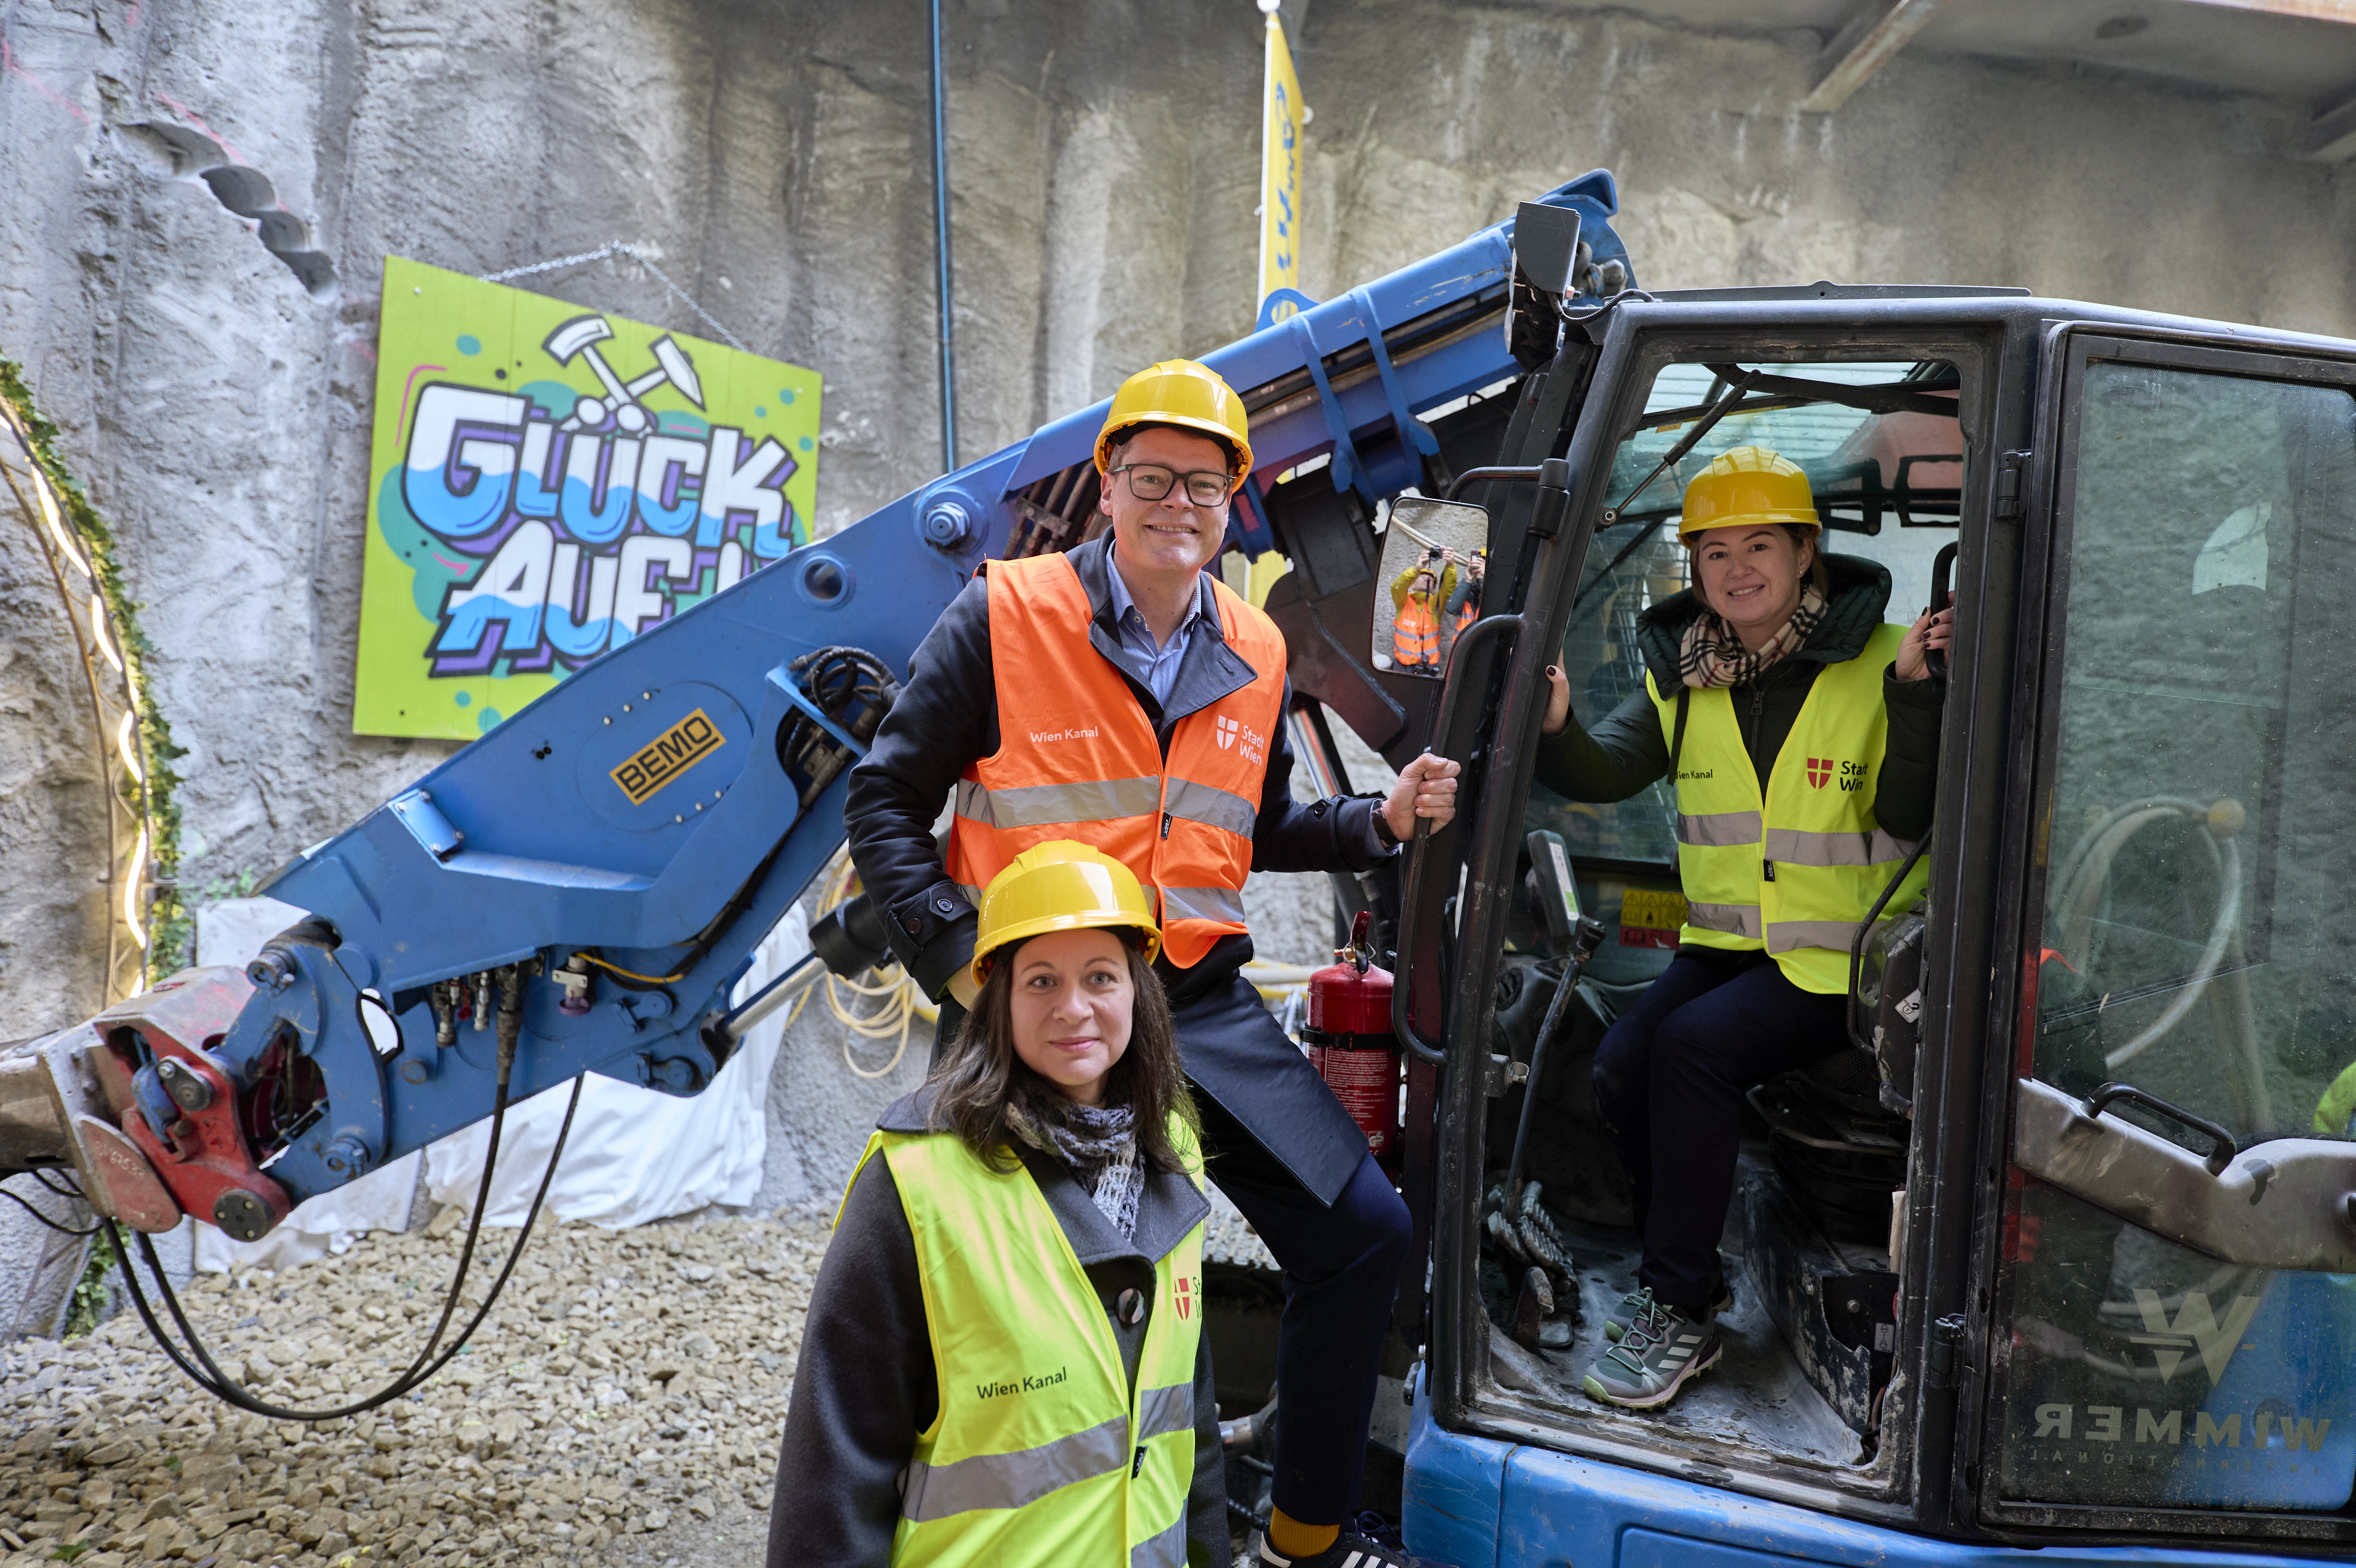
x: 1281, y: 118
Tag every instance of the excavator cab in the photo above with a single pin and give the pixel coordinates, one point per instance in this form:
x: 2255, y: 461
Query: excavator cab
x: 2055, y: 1245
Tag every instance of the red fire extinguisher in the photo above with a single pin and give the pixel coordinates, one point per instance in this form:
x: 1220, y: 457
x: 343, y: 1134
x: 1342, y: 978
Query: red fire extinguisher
x: 1350, y: 1043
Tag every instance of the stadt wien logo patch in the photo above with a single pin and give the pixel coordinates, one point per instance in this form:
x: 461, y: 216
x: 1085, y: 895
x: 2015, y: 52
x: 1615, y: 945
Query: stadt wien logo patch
x: 1228, y: 728
x: 1820, y: 771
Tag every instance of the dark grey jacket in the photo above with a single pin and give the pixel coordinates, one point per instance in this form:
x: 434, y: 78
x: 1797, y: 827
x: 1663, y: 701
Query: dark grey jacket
x: 948, y: 716
x: 865, y: 1384
x: 1626, y: 750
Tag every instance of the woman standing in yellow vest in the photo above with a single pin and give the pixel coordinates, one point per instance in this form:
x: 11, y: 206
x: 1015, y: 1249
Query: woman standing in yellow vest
x: 1802, y: 733
x: 1003, y: 1360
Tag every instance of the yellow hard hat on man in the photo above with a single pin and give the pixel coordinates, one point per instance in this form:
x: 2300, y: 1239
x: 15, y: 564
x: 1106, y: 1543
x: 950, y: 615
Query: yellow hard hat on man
x: 1060, y: 885
x: 1185, y: 393
x: 1748, y: 487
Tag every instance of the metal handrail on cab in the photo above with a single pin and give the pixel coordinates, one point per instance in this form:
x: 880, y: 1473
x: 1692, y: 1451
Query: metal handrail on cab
x: 1487, y: 630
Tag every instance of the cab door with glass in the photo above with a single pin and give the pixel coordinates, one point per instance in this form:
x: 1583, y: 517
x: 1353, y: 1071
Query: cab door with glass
x: 2170, y: 1284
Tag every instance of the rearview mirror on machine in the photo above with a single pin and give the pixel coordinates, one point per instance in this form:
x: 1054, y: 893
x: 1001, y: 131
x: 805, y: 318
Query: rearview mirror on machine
x: 1435, y: 564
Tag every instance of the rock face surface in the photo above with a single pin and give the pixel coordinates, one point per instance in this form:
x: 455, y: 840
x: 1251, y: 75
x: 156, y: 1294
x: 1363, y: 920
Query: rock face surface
x: 196, y: 201
x: 213, y: 372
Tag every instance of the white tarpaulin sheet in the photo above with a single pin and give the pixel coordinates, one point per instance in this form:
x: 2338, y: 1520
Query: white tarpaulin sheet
x: 633, y: 1156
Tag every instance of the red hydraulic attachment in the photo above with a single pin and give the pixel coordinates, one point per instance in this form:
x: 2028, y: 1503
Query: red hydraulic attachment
x: 200, y: 1157
x: 1350, y: 1043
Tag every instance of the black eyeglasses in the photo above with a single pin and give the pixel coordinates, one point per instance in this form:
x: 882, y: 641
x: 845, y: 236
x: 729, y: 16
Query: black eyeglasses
x: 1152, y: 481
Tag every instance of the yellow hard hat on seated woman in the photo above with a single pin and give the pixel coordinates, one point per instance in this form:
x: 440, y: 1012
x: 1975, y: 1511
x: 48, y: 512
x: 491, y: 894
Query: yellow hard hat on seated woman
x: 1061, y: 885
x: 1748, y: 487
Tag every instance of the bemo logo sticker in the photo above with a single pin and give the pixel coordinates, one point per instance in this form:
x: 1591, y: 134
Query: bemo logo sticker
x: 668, y: 755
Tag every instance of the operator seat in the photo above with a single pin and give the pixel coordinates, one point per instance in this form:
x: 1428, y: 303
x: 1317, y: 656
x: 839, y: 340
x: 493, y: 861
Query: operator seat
x: 1839, y: 1127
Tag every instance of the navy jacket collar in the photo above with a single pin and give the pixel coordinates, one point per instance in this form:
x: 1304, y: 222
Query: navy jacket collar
x: 1210, y: 669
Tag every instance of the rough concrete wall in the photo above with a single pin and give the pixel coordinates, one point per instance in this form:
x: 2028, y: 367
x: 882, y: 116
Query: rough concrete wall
x: 2128, y: 190
x: 774, y: 159
x: 53, y: 809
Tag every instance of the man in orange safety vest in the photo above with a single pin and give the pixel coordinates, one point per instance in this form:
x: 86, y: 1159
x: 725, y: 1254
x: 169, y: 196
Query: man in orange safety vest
x: 1120, y: 694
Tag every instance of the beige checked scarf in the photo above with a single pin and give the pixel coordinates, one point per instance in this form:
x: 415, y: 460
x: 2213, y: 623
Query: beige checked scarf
x: 1710, y: 654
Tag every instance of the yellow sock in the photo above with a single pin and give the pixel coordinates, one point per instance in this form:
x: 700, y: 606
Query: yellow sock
x: 1294, y: 1539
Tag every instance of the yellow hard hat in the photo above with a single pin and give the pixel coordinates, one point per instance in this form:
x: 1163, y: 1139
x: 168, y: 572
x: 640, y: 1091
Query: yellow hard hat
x: 1060, y: 885
x: 1185, y: 393
x: 1748, y: 488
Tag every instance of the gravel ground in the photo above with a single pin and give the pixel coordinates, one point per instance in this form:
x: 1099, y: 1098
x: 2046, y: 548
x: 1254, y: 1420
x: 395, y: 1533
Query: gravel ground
x: 622, y: 1406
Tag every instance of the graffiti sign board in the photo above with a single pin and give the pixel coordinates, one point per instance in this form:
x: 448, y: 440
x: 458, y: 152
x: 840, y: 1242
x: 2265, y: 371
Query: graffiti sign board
x: 546, y: 483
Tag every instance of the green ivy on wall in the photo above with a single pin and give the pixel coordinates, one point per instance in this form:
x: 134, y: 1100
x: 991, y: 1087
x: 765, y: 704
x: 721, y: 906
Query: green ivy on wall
x: 146, y: 784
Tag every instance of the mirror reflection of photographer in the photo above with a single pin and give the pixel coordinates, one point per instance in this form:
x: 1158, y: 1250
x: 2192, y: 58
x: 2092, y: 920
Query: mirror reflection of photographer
x: 1418, y: 597
x: 1463, y: 603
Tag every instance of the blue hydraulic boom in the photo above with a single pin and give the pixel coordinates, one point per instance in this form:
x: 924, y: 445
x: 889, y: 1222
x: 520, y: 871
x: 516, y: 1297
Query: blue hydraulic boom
x: 577, y: 891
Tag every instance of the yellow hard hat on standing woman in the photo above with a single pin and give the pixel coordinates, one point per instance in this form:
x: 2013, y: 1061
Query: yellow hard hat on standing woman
x: 1061, y: 885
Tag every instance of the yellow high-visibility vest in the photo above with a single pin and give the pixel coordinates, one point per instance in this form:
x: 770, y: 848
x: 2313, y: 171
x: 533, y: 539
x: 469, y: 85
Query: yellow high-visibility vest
x: 1039, y: 1452
x: 1794, y: 874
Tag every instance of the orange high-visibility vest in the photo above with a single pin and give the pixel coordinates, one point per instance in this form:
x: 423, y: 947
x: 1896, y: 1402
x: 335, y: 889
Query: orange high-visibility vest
x: 1078, y: 758
x: 1415, y: 635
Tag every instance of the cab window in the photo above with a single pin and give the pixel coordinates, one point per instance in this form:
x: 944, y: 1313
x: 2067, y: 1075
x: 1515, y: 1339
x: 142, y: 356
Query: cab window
x: 2194, y: 939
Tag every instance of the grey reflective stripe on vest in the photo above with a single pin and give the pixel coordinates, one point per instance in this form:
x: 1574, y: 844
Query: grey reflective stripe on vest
x: 1784, y: 936
x: 1013, y: 1480
x: 1734, y: 919
x: 1717, y: 830
x: 1163, y: 1411
x: 1797, y: 848
x: 1209, y: 804
x: 1224, y: 905
x: 1167, y: 1550
x: 1040, y: 805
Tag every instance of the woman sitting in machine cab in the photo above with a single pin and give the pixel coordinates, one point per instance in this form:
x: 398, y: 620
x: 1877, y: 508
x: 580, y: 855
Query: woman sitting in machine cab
x: 1801, y: 733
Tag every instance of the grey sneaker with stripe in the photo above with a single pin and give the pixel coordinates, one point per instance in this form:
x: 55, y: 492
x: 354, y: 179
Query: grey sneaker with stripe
x: 1615, y: 1322
x: 1661, y: 1349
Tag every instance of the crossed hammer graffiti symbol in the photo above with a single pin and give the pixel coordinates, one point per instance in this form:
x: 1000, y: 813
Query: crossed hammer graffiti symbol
x: 579, y: 337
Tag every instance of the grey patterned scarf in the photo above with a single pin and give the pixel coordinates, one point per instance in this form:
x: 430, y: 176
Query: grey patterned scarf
x: 1098, y: 1142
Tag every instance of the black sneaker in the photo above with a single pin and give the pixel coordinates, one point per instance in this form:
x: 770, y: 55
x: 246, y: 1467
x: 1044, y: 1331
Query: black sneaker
x: 1351, y: 1549
x: 1616, y: 1322
x: 1661, y: 1349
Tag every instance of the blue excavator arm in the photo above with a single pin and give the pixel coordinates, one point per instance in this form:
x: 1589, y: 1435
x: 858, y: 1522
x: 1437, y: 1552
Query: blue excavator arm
x: 576, y: 891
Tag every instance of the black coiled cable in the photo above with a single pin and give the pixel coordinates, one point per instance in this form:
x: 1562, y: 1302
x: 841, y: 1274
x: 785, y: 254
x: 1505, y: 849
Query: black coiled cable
x: 221, y: 1386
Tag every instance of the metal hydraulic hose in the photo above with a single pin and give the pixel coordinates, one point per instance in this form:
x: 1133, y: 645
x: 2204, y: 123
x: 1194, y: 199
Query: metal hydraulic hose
x: 941, y: 249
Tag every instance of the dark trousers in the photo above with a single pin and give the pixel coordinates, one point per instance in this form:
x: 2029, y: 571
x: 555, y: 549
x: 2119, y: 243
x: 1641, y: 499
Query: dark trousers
x: 1669, y: 1080
x: 1341, y: 1275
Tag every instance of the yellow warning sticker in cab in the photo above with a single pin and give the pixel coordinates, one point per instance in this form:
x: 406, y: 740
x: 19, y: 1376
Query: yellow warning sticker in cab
x: 667, y: 755
x: 1649, y: 918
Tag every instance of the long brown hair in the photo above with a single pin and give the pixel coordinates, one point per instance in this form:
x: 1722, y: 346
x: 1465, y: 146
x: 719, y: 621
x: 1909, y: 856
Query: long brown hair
x: 983, y: 1076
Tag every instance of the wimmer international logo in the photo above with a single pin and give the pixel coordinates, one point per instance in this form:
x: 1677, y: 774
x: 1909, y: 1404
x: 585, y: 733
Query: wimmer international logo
x: 549, y: 482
